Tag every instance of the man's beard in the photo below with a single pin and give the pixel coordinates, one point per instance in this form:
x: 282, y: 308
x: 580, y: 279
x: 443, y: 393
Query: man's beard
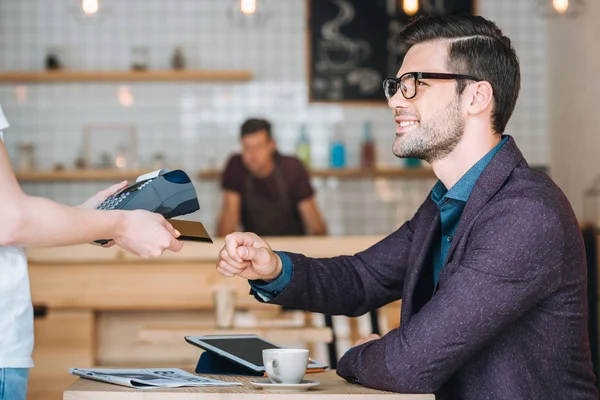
x: 434, y: 139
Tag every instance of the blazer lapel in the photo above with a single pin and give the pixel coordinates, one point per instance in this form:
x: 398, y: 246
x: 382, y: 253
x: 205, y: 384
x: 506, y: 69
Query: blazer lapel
x: 490, y: 181
x: 416, y: 291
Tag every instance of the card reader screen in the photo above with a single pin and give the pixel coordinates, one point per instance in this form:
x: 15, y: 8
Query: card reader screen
x: 131, y: 188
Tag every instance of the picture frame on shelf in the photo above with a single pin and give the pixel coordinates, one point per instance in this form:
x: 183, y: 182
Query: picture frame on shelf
x: 111, y: 146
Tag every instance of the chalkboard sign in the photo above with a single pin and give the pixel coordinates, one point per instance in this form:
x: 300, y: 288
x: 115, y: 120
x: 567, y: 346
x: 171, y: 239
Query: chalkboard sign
x: 354, y: 44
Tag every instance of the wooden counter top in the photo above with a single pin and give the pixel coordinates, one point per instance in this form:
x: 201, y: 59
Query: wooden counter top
x: 314, y: 246
x: 92, y: 277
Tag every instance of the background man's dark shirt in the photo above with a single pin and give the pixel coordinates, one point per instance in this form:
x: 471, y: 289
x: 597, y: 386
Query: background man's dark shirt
x: 267, y: 193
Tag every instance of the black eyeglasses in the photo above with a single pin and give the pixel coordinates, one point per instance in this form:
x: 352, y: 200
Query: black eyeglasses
x: 408, y: 82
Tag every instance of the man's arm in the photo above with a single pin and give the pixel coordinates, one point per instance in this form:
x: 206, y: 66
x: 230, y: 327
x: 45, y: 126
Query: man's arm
x: 512, y: 263
x: 229, y: 219
x: 33, y: 221
x: 311, y: 217
x: 348, y: 285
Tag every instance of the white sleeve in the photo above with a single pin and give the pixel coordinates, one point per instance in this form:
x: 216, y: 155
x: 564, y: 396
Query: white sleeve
x: 3, y: 123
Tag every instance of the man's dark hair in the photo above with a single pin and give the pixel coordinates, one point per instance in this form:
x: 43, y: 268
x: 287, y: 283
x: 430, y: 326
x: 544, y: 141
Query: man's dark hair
x: 254, y: 125
x: 476, y: 47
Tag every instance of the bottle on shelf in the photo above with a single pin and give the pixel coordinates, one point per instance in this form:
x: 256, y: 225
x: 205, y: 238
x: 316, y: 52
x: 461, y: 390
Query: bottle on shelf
x: 303, y: 146
x: 367, y: 149
x: 178, y: 60
x: 337, y: 157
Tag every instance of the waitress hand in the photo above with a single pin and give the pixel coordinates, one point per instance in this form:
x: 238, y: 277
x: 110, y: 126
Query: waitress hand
x: 97, y: 199
x: 248, y: 256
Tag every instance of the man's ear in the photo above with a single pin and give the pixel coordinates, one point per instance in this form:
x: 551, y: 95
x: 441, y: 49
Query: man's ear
x: 482, y: 97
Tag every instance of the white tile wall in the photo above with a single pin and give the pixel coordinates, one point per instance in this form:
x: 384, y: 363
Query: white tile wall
x: 196, y: 124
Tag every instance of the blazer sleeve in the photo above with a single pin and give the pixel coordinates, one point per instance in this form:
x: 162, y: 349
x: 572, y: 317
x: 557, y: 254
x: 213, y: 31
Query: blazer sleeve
x: 350, y: 285
x: 511, y: 263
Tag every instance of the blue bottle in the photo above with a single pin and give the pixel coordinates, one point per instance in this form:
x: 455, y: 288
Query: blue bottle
x: 337, y: 157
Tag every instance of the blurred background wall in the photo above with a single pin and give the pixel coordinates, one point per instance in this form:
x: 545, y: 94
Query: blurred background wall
x: 195, y: 125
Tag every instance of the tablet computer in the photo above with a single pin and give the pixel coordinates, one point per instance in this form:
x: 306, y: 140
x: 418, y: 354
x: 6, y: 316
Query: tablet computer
x: 243, y: 349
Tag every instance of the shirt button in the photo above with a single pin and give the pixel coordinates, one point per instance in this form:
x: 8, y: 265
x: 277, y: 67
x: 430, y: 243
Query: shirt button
x: 449, y: 238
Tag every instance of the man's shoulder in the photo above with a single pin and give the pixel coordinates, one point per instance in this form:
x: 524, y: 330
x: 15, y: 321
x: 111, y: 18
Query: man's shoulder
x: 286, y: 159
x: 533, y: 196
x: 233, y: 174
x: 290, y: 163
x: 526, y: 183
x: 235, y: 160
x: 235, y: 164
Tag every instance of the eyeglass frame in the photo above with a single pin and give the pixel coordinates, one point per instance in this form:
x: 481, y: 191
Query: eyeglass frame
x: 423, y: 75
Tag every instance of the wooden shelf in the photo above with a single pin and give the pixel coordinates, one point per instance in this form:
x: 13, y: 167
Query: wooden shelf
x: 115, y: 175
x: 352, y: 173
x: 120, y: 76
x: 79, y: 176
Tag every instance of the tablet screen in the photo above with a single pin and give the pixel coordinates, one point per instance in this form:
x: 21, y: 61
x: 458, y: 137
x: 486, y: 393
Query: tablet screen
x: 243, y: 349
x: 249, y: 349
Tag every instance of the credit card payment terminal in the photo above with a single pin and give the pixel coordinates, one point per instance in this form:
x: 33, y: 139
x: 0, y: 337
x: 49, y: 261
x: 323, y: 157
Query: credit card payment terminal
x: 169, y: 193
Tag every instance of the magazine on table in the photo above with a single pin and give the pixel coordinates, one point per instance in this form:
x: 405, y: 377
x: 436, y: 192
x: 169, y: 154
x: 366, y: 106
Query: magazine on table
x: 148, y: 378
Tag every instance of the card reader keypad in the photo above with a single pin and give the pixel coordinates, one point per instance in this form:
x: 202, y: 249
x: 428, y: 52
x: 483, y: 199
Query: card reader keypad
x: 113, y: 202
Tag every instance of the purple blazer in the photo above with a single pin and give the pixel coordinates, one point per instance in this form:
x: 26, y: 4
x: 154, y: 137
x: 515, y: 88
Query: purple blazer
x: 508, y: 319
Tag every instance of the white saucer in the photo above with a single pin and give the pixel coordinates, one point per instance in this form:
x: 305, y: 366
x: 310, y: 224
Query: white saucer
x: 267, y: 385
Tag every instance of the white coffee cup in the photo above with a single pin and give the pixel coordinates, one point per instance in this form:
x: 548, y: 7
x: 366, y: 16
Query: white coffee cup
x: 285, y: 365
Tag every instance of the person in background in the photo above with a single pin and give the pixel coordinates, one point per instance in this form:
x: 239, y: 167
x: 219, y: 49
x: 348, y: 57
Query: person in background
x: 266, y: 192
x: 33, y: 221
x: 491, y: 269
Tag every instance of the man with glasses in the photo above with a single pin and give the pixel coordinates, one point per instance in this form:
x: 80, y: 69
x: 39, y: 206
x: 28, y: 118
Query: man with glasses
x: 491, y: 269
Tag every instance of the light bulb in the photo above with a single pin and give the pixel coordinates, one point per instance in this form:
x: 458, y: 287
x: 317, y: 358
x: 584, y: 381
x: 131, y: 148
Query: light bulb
x: 411, y: 7
x: 561, y: 6
x: 90, y: 7
x: 248, y: 6
x: 21, y: 93
x: 125, y: 96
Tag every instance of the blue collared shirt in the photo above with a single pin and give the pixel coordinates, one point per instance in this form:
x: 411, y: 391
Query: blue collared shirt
x: 451, y: 204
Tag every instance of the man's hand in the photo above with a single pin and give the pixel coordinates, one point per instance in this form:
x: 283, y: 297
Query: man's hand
x: 248, y: 256
x: 367, y: 339
x: 146, y: 234
x: 93, y: 202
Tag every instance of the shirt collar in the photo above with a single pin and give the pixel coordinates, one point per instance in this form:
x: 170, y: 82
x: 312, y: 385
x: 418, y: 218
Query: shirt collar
x: 463, y: 188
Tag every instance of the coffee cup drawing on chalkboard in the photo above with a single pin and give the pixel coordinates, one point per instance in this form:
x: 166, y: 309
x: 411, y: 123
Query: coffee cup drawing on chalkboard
x: 354, y: 44
x: 339, y: 54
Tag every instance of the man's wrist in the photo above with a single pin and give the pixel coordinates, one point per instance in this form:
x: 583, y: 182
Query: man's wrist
x: 278, y: 270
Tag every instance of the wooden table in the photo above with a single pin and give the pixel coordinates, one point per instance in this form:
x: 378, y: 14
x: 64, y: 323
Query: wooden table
x: 102, y: 307
x: 332, y: 387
